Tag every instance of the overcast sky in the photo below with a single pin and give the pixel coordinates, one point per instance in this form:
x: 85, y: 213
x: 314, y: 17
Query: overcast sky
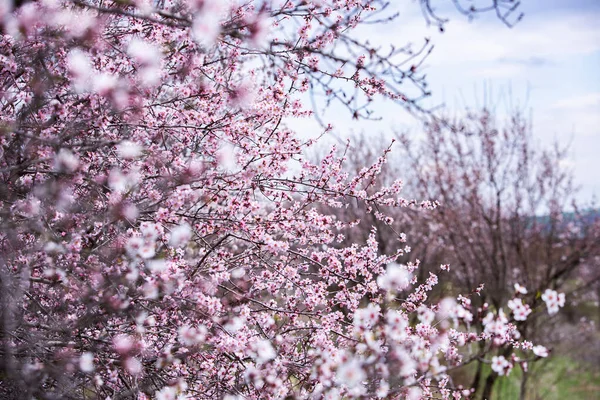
x: 548, y: 64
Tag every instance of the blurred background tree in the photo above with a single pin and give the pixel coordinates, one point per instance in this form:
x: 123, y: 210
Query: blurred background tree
x: 507, y: 215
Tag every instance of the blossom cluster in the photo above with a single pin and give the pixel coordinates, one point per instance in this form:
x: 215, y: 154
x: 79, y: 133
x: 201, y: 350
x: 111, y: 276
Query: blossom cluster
x: 553, y: 300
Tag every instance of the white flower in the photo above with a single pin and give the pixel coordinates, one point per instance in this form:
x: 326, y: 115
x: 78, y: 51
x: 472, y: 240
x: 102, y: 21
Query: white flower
x: 119, y: 182
x: 489, y: 318
x: 143, y: 52
x: 149, y: 76
x: 56, y: 274
x: 133, y: 246
x: 206, y: 25
x: 190, y: 336
x: 414, y: 393
x: 350, y: 374
x: 383, y: 389
x: 395, y: 278
x: 553, y: 300
x: 232, y: 397
x: 145, y: 7
x: 540, y: 351
x: 150, y: 231
x: 104, y: 83
x: 463, y: 313
x: 561, y: 299
x: 264, y: 351
x: 149, y: 58
x: 147, y: 251
x: 86, y: 362
x: 130, y: 212
x: 53, y: 248
x: 80, y: 68
x: 205, y: 30
x: 133, y: 366
x: 66, y: 161
x: 521, y: 313
x: 150, y: 290
x: 238, y: 273
x: 366, y: 317
x: 252, y: 376
x: 515, y: 303
x: 234, y: 325
x: 98, y: 381
x: 396, y: 324
x: 520, y: 289
x: 180, y: 235
x: 166, y: 393
x: 128, y: 150
x: 425, y: 315
x: 520, y: 310
x: 137, y: 247
x: 75, y: 22
x: 226, y: 158
x: 29, y: 207
x: 123, y: 344
x: 500, y: 365
x: 156, y: 266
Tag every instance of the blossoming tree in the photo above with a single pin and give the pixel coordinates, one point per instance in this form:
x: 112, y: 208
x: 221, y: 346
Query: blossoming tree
x: 160, y: 236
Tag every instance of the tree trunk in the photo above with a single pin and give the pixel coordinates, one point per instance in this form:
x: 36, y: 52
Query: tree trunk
x: 523, y: 392
x: 477, y: 379
x: 489, y: 385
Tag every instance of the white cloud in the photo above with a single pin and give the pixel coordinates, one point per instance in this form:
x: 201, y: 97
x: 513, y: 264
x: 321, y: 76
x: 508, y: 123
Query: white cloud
x: 588, y: 101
